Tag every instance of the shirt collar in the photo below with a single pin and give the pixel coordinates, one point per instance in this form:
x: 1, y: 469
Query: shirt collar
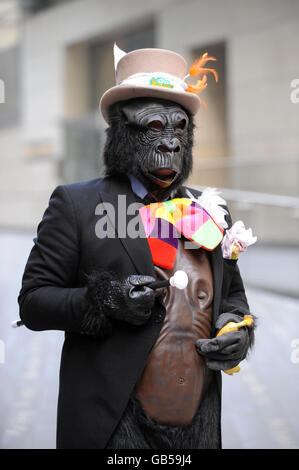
x: 137, y: 187
x: 140, y: 190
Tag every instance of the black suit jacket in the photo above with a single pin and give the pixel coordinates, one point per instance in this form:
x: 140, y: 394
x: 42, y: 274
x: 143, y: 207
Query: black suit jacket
x: 97, y: 376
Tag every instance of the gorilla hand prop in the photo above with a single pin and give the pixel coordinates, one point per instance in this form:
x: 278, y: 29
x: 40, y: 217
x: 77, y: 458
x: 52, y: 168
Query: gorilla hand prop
x: 129, y: 300
x: 229, y: 348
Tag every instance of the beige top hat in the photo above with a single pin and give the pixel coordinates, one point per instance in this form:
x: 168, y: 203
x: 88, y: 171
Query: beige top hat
x: 156, y: 73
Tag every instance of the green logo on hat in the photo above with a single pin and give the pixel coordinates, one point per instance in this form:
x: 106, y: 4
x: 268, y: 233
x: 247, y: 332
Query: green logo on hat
x: 160, y: 81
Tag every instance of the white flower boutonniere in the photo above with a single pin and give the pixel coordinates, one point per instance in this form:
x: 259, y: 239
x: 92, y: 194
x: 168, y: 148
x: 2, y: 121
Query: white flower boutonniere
x: 236, y: 240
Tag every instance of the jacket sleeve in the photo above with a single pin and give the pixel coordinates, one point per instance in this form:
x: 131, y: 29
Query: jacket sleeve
x: 234, y: 300
x: 48, y: 298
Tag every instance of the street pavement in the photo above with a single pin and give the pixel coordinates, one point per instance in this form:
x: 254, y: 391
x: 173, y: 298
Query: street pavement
x: 260, y: 403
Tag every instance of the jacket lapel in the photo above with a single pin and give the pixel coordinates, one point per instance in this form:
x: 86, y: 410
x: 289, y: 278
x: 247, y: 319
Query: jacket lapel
x: 217, y: 268
x: 121, y: 196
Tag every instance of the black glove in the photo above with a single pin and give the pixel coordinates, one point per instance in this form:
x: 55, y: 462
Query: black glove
x: 228, y: 350
x: 130, y: 299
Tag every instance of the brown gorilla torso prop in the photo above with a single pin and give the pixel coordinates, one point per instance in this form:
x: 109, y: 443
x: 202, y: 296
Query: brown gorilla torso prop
x: 175, y: 377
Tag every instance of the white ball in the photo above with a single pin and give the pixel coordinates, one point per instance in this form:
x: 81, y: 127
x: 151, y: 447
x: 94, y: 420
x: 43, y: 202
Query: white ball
x: 179, y: 280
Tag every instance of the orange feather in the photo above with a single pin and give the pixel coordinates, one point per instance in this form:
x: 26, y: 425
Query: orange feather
x: 198, y: 66
x: 200, y: 85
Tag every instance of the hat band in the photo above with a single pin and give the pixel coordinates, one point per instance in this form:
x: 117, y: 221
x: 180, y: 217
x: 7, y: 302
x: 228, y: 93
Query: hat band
x: 156, y: 79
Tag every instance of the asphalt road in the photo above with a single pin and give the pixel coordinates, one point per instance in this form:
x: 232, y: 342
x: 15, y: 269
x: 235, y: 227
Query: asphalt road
x: 260, y: 404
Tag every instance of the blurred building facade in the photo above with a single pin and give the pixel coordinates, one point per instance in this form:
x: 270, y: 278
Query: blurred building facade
x: 58, y: 62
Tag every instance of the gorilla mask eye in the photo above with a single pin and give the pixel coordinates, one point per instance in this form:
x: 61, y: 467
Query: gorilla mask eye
x: 181, y: 125
x: 156, y: 125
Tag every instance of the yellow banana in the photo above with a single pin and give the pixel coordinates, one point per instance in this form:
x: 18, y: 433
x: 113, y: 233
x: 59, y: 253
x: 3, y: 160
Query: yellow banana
x: 232, y: 326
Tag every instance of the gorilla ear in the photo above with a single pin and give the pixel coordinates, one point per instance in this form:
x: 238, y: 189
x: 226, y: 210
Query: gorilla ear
x: 128, y: 115
x: 124, y: 115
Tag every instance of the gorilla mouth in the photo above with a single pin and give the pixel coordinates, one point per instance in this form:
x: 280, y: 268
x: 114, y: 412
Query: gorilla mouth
x: 163, y: 176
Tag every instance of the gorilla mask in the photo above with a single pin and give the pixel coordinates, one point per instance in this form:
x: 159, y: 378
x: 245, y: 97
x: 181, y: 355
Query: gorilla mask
x: 151, y: 139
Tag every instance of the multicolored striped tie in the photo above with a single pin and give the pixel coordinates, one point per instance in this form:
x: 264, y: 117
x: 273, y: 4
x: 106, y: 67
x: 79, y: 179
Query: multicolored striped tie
x: 165, y: 222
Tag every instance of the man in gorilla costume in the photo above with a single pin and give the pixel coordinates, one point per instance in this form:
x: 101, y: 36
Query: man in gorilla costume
x: 140, y: 368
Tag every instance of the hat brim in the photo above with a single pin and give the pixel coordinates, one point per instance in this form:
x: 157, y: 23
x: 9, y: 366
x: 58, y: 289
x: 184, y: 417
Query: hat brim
x: 189, y: 101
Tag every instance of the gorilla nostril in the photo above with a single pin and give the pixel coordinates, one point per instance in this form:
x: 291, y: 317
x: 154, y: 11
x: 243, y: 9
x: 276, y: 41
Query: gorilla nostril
x: 163, y: 148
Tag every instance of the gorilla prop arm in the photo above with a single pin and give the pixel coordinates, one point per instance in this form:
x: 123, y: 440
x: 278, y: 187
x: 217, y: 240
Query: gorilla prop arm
x: 129, y: 300
x: 226, y: 351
